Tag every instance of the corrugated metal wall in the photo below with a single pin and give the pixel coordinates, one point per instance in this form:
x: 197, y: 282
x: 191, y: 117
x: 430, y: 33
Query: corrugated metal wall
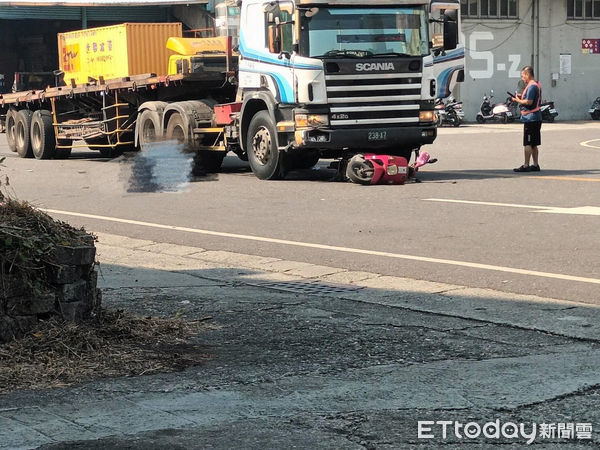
x: 117, y: 14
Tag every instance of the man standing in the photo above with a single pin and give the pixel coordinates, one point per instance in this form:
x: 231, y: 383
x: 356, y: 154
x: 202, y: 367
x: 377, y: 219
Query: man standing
x: 529, y: 103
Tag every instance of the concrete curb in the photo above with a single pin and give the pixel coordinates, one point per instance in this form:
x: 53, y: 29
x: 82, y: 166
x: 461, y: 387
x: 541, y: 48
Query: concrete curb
x: 189, y: 265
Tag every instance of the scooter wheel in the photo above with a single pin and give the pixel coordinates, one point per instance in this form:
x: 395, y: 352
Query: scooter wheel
x: 359, y: 170
x: 480, y: 119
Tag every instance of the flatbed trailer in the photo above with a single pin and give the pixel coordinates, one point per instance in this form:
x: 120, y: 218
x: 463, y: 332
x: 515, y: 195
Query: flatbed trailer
x: 105, y: 115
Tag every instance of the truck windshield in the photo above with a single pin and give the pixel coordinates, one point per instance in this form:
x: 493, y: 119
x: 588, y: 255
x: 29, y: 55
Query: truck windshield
x: 363, y: 32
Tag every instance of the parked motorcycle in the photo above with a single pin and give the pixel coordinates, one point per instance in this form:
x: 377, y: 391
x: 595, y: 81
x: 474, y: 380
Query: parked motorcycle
x: 595, y: 109
x: 449, y: 112
x: 489, y: 111
x: 548, y: 111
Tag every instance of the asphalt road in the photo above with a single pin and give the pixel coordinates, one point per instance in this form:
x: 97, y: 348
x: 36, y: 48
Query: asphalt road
x: 523, y: 233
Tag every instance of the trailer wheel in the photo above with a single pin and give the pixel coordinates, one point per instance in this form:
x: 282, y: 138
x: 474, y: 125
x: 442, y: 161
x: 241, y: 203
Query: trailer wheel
x: 63, y: 153
x: 176, y: 130
x: 11, y: 117
x: 266, y: 161
x: 22, y: 131
x: 149, y: 127
x: 360, y: 170
x: 42, y: 135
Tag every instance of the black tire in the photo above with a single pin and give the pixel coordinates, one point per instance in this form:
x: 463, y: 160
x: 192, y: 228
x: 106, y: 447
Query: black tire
x: 453, y: 117
x: 177, y: 131
x: 266, y: 161
x: 43, y: 144
x: 11, y: 117
x: 303, y: 160
x: 505, y: 119
x: 359, y: 170
x: 480, y: 119
x: 551, y: 119
x: 22, y: 133
x: 63, y: 153
x: 207, y: 162
x: 148, y: 127
x: 595, y: 116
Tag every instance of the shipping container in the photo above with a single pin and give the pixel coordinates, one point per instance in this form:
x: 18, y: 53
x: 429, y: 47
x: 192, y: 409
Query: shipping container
x: 116, y: 51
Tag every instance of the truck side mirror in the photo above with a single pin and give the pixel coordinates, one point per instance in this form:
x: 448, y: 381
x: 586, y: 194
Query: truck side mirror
x: 274, y: 39
x: 450, y: 35
x: 450, y: 15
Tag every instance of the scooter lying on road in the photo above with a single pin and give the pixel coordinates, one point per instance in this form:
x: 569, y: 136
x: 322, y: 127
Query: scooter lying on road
x: 498, y: 111
x: 369, y: 168
x: 595, y: 109
x: 449, y: 112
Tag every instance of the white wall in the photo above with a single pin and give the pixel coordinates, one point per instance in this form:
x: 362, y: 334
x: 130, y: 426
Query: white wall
x: 496, y: 50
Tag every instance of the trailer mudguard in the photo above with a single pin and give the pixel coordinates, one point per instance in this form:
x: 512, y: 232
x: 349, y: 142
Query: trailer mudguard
x: 192, y: 112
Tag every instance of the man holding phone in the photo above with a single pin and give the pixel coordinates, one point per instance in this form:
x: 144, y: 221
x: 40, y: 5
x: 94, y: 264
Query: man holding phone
x: 529, y: 103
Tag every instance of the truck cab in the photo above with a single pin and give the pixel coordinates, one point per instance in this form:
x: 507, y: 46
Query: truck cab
x: 332, y: 79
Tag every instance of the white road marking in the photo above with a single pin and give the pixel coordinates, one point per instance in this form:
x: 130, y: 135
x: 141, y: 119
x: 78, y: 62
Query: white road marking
x: 587, y: 143
x: 580, y: 210
x: 472, y: 265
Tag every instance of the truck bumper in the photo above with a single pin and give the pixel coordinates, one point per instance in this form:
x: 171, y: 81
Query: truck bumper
x: 362, y: 139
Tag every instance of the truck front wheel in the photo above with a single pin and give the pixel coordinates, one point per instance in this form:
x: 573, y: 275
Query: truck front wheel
x: 266, y: 161
x: 22, y: 130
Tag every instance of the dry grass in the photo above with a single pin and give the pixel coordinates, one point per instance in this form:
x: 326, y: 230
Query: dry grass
x: 112, y: 344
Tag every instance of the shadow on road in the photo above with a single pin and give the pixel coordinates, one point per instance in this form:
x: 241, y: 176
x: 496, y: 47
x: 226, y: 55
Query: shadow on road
x: 321, y: 365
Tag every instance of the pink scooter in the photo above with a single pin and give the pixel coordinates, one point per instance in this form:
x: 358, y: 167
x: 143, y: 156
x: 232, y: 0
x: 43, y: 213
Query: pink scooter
x: 370, y: 168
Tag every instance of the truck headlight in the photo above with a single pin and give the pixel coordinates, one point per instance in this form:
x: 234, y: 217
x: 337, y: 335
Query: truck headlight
x: 426, y: 116
x: 311, y: 120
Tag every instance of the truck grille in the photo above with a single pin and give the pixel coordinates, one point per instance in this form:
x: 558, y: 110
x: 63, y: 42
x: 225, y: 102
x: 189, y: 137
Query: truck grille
x: 380, y: 99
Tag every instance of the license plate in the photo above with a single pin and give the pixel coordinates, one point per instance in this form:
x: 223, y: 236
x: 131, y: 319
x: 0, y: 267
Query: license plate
x: 509, y: 114
x: 377, y: 135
